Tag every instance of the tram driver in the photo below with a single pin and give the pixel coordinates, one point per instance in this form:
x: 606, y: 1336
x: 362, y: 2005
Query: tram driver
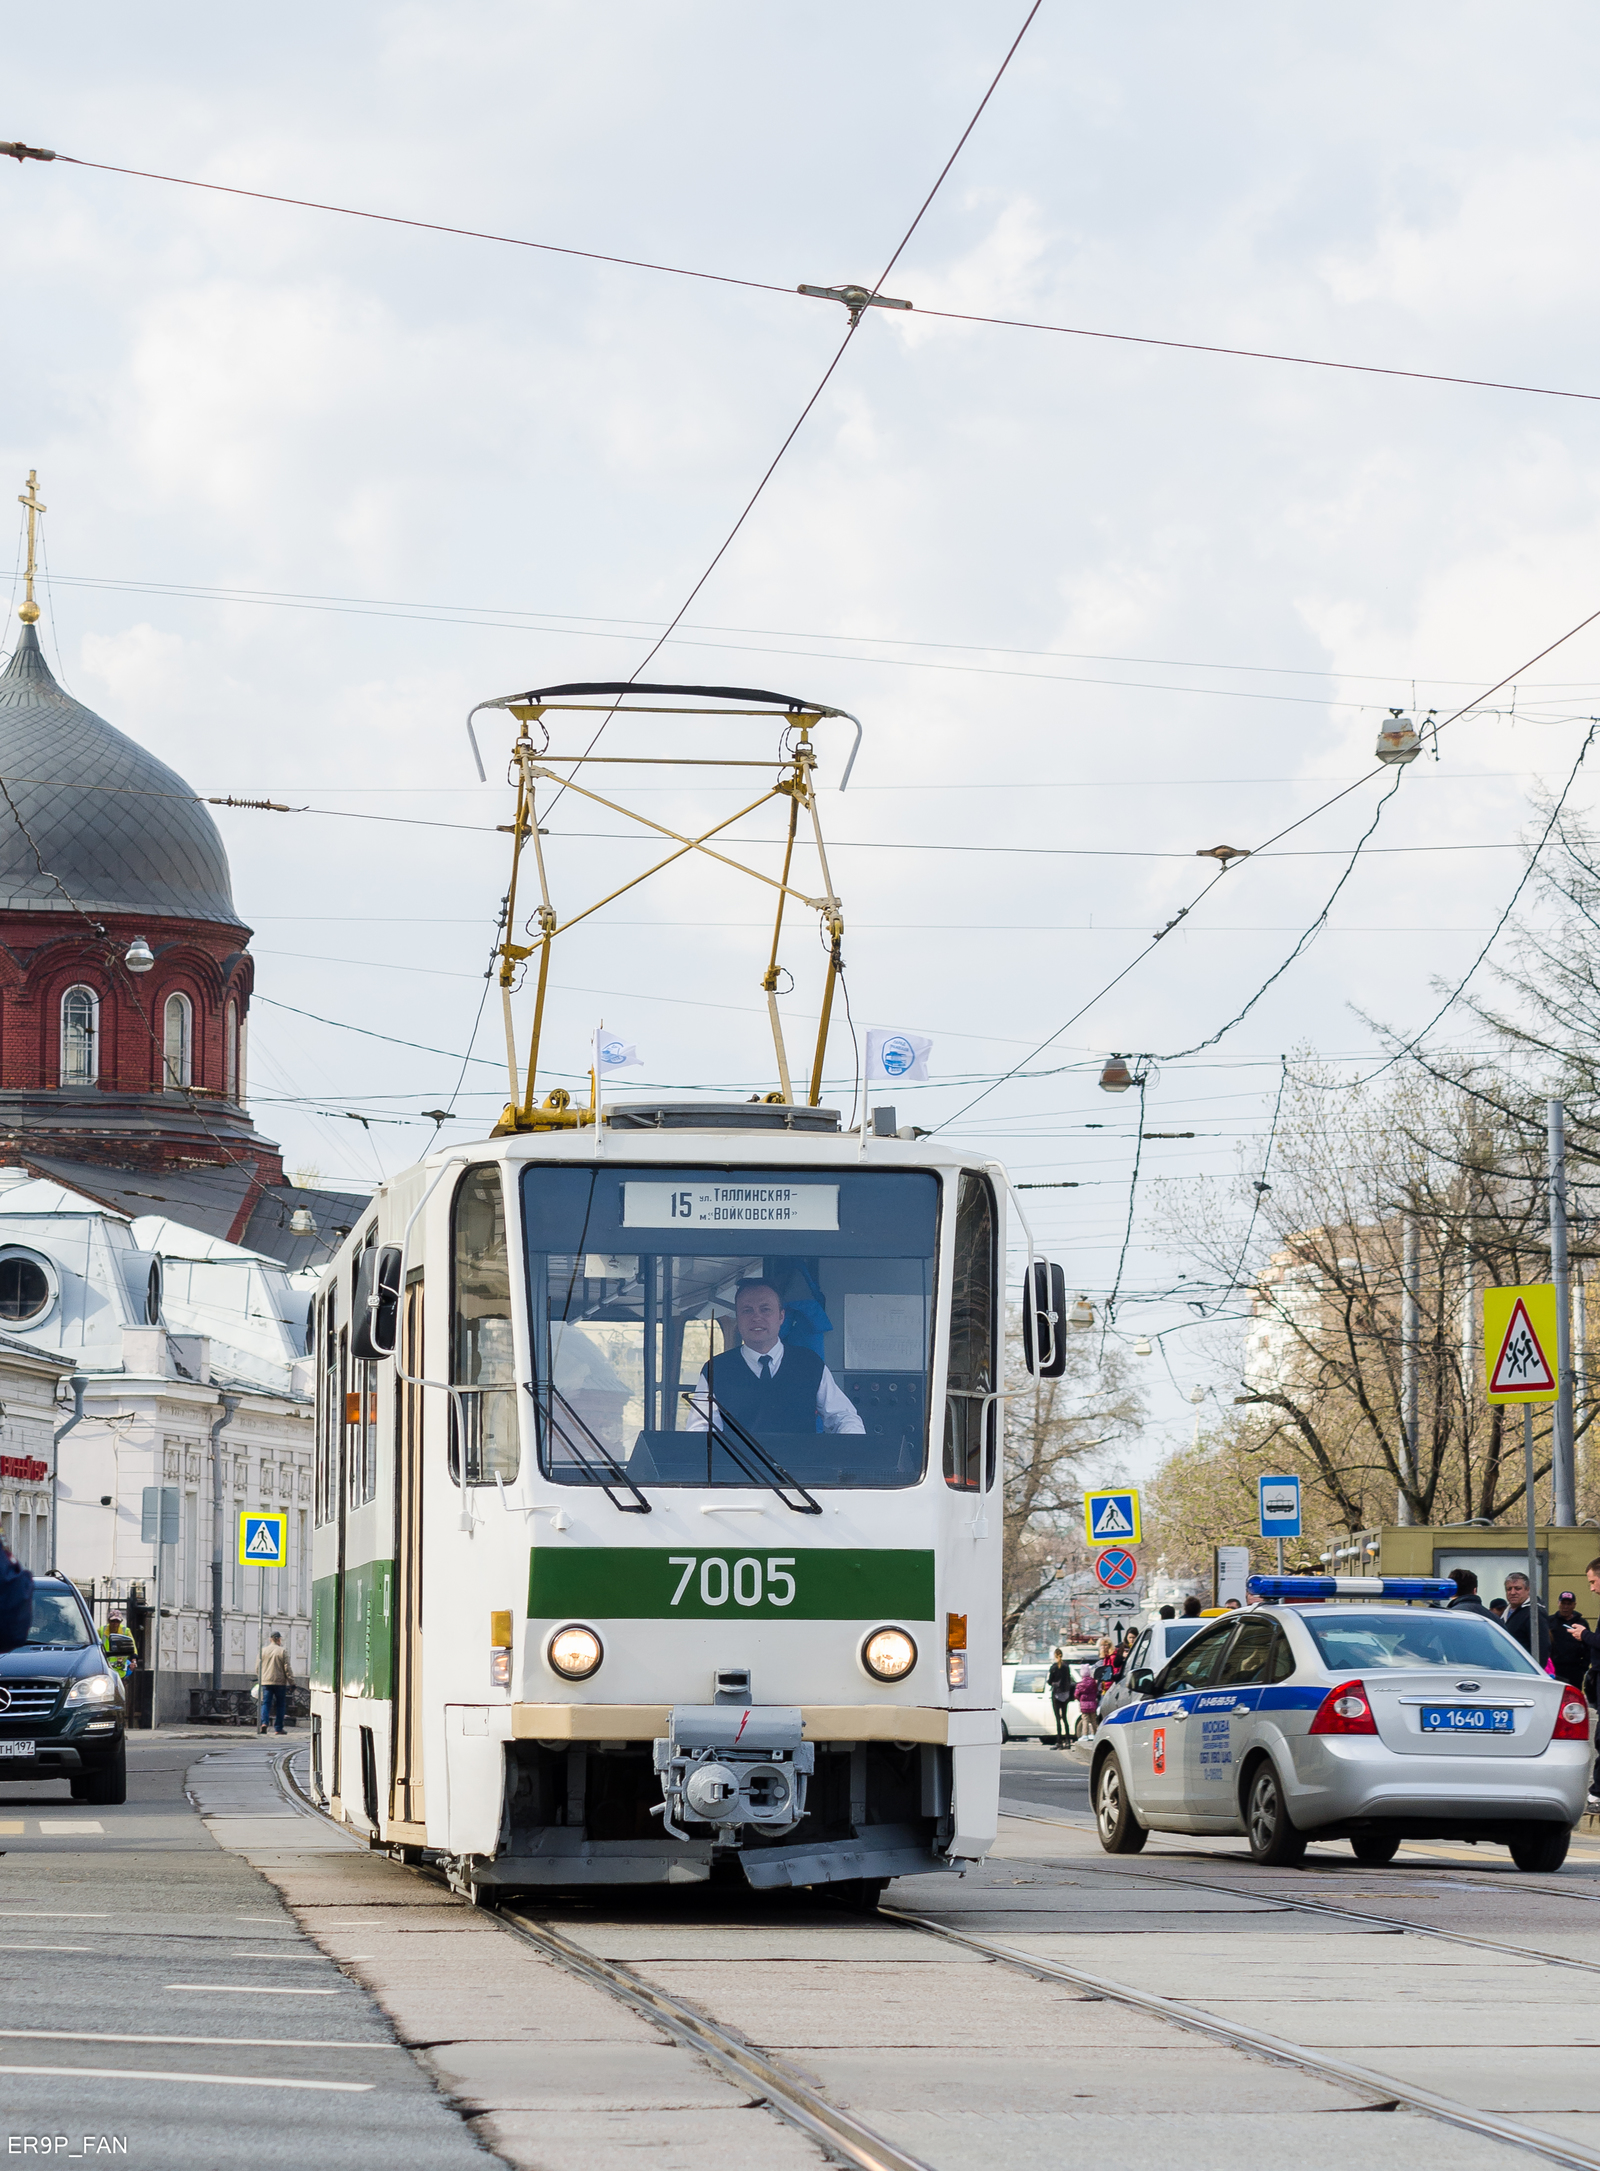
x: 765, y: 1384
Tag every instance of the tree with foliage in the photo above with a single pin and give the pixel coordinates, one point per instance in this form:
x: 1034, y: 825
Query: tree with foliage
x: 1054, y: 1431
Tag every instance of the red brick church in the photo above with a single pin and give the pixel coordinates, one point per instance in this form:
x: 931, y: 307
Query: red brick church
x: 125, y: 980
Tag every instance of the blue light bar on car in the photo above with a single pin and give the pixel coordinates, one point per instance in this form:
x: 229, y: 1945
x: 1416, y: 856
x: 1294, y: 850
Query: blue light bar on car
x: 1291, y: 1587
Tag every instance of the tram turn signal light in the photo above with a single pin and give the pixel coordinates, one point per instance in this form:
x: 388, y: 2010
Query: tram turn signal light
x: 955, y: 1650
x: 1345, y: 1710
x: 888, y: 1654
x: 574, y: 1653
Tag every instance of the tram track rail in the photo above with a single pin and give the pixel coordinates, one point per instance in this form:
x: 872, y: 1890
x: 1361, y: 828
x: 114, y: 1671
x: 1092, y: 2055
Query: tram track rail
x: 845, y: 2138
x: 848, y: 2140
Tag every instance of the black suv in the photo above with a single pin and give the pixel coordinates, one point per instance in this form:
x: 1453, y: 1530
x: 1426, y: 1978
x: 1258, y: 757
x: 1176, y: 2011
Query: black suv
x: 62, y: 1710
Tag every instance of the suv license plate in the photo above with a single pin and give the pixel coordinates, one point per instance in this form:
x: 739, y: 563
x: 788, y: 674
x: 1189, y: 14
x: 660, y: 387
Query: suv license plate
x: 16, y: 1748
x: 1466, y: 1719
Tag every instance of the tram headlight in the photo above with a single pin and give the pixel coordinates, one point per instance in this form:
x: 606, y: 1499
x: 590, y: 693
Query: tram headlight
x: 574, y: 1653
x: 888, y: 1654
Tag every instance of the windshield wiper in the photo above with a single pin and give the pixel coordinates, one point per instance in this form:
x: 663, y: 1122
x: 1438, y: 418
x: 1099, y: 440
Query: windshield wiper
x: 778, y: 1476
x: 591, y: 1464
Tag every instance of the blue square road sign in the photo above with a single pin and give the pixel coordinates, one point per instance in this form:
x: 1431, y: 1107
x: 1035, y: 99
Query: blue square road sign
x: 1280, y: 1507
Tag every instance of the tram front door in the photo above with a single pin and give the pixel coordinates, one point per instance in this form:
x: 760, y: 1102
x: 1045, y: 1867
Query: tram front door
x: 407, y: 1804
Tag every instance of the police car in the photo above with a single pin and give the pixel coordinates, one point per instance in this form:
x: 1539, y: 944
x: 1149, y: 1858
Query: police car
x: 1314, y: 1715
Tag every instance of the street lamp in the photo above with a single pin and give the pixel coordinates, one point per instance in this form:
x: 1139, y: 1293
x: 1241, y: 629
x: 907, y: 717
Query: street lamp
x: 1142, y: 1347
x: 139, y: 957
x: 1081, y: 1314
x: 1398, y: 741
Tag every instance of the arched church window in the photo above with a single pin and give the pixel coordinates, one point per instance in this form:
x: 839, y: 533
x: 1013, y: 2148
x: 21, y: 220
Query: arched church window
x: 80, y: 1037
x: 230, y: 1052
x: 177, y: 1043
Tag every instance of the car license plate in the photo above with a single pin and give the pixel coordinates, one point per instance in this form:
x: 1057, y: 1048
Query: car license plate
x: 1466, y: 1719
x: 16, y: 1748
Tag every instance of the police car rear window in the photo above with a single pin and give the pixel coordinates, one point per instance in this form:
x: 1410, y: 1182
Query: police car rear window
x: 1415, y: 1638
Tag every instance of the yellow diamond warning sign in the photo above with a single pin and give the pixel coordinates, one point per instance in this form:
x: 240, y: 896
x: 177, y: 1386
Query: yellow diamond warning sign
x: 1519, y: 1343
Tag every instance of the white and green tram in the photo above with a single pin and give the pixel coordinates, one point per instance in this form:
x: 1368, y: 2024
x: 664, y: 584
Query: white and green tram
x: 658, y: 1520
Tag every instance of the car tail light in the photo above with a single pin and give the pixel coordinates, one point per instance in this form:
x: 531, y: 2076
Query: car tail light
x: 1345, y: 1710
x: 1572, y: 1720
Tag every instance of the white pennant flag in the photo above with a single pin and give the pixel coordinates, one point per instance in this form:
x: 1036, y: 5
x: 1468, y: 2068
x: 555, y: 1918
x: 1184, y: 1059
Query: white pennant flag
x: 612, y: 1053
x: 897, y: 1055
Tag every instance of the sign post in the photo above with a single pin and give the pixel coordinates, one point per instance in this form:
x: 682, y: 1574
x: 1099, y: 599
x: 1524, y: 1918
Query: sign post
x: 158, y: 1527
x: 1280, y: 1510
x: 1230, y: 1574
x: 263, y: 1543
x: 1520, y: 1347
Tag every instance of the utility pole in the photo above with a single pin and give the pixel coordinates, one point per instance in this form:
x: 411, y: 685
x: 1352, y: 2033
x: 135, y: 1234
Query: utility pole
x: 229, y: 1404
x: 1410, y: 1322
x: 77, y: 1383
x: 1563, y: 1489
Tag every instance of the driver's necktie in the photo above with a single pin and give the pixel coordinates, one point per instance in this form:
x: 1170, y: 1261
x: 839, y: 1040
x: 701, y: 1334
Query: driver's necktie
x: 766, y: 1368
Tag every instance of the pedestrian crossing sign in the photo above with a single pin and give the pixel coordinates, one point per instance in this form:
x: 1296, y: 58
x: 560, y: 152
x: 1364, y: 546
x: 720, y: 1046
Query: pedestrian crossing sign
x: 1111, y: 1518
x: 1519, y: 1343
x: 263, y: 1540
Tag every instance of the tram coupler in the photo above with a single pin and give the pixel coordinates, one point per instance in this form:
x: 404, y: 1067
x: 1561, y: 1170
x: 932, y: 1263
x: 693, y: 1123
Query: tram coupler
x: 731, y: 1764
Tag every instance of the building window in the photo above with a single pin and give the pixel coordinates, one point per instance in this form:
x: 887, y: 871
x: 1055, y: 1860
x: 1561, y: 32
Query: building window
x: 177, y: 1044
x: 80, y: 1037
x: 27, y: 1289
x: 230, y: 1052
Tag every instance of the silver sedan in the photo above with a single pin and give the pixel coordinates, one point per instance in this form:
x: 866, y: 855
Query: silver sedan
x: 1372, y: 1722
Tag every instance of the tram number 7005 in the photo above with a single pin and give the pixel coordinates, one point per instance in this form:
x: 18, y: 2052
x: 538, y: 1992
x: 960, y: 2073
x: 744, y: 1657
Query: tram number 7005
x: 741, y: 1580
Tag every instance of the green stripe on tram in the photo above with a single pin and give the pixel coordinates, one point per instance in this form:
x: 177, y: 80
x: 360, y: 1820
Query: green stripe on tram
x: 367, y: 1659
x: 649, y: 1583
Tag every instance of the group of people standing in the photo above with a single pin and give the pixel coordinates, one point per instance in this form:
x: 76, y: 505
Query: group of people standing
x: 1562, y: 1642
x: 1075, y: 1700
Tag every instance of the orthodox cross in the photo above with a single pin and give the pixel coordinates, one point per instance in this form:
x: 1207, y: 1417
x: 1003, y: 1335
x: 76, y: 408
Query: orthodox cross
x: 29, y: 610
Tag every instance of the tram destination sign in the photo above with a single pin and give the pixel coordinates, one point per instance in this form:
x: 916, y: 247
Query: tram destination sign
x: 653, y: 1583
x: 731, y: 1203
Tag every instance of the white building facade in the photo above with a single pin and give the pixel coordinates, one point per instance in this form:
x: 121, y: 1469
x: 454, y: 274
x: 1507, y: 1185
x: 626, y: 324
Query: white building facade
x: 190, y: 1356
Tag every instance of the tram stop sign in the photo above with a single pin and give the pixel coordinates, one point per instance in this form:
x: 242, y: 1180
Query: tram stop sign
x: 1519, y: 1343
x: 263, y: 1540
x: 1116, y: 1569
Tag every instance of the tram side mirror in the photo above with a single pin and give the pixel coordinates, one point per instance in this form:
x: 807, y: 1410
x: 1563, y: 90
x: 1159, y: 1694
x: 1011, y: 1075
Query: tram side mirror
x: 375, y: 1315
x: 1044, y: 1319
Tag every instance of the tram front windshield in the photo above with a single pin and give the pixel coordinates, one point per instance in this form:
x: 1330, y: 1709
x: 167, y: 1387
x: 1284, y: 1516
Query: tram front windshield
x: 697, y: 1326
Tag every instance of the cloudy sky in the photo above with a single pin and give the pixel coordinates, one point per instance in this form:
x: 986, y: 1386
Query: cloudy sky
x: 317, y: 484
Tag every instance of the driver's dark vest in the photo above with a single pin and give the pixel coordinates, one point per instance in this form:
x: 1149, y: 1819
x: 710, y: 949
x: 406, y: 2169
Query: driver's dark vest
x: 787, y: 1402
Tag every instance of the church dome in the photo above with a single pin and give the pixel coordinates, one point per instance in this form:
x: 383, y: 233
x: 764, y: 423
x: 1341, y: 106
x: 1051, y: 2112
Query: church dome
x: 93, y: 815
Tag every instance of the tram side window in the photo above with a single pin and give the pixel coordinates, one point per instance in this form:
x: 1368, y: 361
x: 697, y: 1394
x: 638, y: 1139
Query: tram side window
x: 483, y: 1423
x: 361, y: 1419
x: 331, y: 1413
x: 969, y: 1413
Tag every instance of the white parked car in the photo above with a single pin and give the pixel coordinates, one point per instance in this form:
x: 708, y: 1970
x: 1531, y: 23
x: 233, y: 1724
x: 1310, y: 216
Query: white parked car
x: 1025, y: 1712
x: 1025, y: 1703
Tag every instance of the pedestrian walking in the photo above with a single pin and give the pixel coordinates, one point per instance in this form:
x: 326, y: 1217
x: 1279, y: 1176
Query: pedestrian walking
x: 1191, y: 1609
x: 1589, y: 1638
x: 1529, y: 1623
x: 275, y: 1676
x: 1062, y: 1690
x: 1088, y: 1695
x: 1466, y: 1599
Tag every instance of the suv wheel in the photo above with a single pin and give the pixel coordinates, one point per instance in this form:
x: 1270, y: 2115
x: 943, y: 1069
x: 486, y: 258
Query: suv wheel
x: 1273, y: 1837
x: 108, y: 1785
x: 1120, y: 1830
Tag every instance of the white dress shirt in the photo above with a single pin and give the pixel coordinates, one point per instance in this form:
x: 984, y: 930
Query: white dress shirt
x: 837, y: 1411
